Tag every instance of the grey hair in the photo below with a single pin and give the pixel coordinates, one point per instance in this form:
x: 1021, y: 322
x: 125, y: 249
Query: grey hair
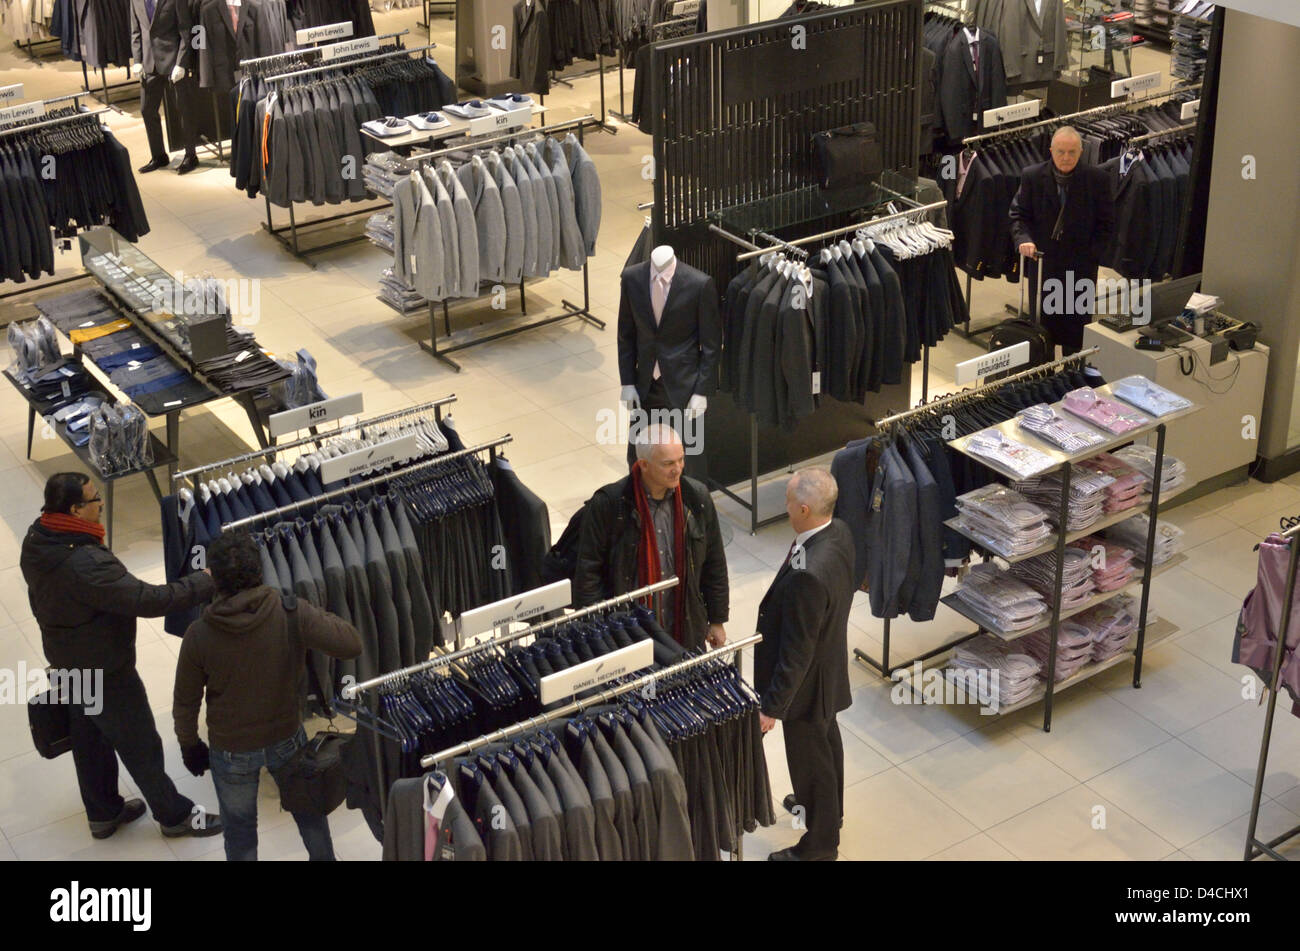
x: 656, y: 434
x: 1067, y: 130
x: 816, y: 488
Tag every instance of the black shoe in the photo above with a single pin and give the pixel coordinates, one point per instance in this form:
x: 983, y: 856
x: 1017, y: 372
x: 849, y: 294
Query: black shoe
x: 790, y: 855
x: 789, y: 805
x: 132, y: 809
x: 155, y: 163
x: 198, y: 827
x: 190, y: 163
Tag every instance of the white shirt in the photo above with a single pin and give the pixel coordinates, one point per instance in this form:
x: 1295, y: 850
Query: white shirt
x: 801, y: 539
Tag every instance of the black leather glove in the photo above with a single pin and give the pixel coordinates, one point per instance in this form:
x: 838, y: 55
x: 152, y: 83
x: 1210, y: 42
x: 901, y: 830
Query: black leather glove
x: 196, y: 758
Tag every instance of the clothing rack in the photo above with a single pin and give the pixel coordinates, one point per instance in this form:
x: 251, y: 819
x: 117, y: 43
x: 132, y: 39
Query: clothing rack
x: 12, y: 130
x: 883, y: 667
x: 367, y: 483
x: 570, y: 309
x: 102, y: 94
x: 1177, y: 130
x: 1254, y: 846
x: 351, y: 691
x: 577, y: 706
x: 244, y: 63
x: 292, y: 243
x: 836, y: 232
x: 956, y: 10
x: 270, y: 451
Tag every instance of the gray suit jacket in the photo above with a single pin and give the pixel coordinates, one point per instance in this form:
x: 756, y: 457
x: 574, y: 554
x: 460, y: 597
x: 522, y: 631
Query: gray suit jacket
x: 927, y: 539
x: 381, y: 596
x: 624, y: 805
x: 422, y: 619
x: 401, y: 588
x: 537, y: 773
x: 544, y: 822
x: 163, y: 42
x: 889, y: 542
x: 404, y: 828
x: 551, y: 191
x: 489, y: 218
x: 450, y: 232
x: 586, y: 191
x: 673, y: 834
x: 573, y: 248
x: 513, y: 213
x: 336, y: 590
x: 515, y: 170
x: 547, y: 247
x: 579, y: 818
x: 466, y: 229
x: 609, y: 844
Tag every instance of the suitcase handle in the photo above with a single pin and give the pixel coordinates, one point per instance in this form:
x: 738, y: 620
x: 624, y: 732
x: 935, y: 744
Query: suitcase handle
x: 1035, y: 318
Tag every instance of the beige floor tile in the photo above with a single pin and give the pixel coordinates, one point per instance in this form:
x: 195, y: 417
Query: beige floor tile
x: 1227, y: 561
x: 1179, y: 691
x: 568, y: 480
x: 70, y: 840
x: 1254, y: 500
x: 890, y: 816
x: 13, y: 594
x: 978, y: 848
x: 35, y: 792
x: 1228, y: 843
x: 902, y: 731
x: 1198, y: 529
x: 1175, y: 792
x: 860, y: 762
x: 1189, y: 602
x: 6, y: 851
x: 1232, y: 740
x: 1082, y: 826
x: 1213, y: 644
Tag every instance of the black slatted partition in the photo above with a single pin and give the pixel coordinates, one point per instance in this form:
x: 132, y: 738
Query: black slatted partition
x: 734, y: 113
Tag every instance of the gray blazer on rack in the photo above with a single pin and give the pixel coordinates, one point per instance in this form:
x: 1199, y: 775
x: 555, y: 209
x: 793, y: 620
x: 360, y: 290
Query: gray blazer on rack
x: 513, y: 169
x: 573, y: 249
x: 513, y: 212
x: 466, y: 229
x: 489, y: 218
x: 551, y: 191
x: 547, y: 250
x: 889, y: 542
x: 586, y: 191
x: 450, y: 233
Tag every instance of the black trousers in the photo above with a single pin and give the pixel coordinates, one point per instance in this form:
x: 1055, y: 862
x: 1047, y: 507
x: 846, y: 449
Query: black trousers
x: 656, y: 398
x: 125, y: 728
x: 1056, y: 308
x: 152, y: 89
x: 815, y: 755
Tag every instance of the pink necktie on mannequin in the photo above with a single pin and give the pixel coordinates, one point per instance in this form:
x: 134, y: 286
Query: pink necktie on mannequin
x: 658, y: 298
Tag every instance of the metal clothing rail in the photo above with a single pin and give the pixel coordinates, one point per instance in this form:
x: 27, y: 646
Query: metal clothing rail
x: 367, y: 483
x: 1094, y: 111
x: 1254, y: 846
x: 351, y: 691
x: 569, y: 309
x: 312, y: 49
x: 13, y: 130
x: 813, y: 239
x: 347, y: 63
x: 884, y: 668
x: 577, y: 706
x: 1176, y: 130
x: 270, y: 451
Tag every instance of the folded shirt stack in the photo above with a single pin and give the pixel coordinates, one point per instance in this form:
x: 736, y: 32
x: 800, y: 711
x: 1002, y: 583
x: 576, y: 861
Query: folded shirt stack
x: 1125, y: 491
x: 429, y: 121
x: 471, y: 109
x: 1112, y: 623
x: 1132, y: 533
x: 1115, y: 418
x: 1017, y: 672
x: 382, y: 170
x: 1112, y: 568
x: 387, y: 126
x: 1002, y: 520
x: 1017, y: 457
x: 1000, y: 602
x: 243, y: 366
x: 1073, y: 649
x: 1149, y: 397
x: 395, y: 291
x: 510, y: 101
x: 1077, y: 584
x: 1087, y: 500
x: 1173, y: 472
x: 1064, y: 433
x: 379, y: 229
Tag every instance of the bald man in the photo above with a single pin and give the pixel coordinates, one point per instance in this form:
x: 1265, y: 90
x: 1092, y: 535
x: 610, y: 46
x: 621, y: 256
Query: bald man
x: 801, y: 667
x: 1065, y: 212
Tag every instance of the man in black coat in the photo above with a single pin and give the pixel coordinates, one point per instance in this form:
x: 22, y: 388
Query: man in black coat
x: 1065, y: 212
x: 161, y: 31
x: 801, y: 665
x: 86, y: 603
x: 651, y: 525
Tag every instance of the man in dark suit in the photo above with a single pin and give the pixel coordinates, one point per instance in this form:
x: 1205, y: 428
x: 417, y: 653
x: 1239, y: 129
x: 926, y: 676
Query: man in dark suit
x: 669, y: 337
x: 160, y: 45
x: 1064, y: 211
x: 801, y: 665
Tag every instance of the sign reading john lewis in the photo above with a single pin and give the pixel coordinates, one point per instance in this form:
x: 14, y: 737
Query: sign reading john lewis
x: 598, y: 670
x: 313, y: 414
x: 10, y: 93
x: 331, y: 31
x: 28, y: 110
x: 521, y: 607
x: 367, y: 460
x: 1005, y: 359
x: 366, y: 44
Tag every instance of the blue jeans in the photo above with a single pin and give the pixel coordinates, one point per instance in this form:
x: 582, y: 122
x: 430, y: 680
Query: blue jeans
x: 236, y: 777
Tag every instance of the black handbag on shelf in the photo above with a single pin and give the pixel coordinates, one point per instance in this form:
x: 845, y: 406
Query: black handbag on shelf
x: 313, y: 781
x: 848, y: 157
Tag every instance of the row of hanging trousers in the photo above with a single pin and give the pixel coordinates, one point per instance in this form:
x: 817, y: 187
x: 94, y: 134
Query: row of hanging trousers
x: 896, y: 491
x: 56, y: 181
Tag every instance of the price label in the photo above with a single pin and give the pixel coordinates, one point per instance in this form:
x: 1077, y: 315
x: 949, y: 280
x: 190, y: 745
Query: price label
x: 1190, y: 110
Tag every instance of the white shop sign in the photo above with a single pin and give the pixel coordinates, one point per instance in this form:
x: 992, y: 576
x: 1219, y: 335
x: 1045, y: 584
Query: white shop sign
x: 1190, y: 110
x: 1012, y: 113
x: 313, y: 414
x: 1005, y: 359
x: 367, y: 44
x: 598, y: 670
x: 365, y: 460
x: 521, y: 607
x: 28, y: 110
x: 10, y: 93
x: 1127, y: 87
x: 331, y: 31
x: 499, y: 122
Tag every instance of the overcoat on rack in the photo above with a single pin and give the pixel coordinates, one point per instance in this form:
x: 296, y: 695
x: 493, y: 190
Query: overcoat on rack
x: 218, y: 57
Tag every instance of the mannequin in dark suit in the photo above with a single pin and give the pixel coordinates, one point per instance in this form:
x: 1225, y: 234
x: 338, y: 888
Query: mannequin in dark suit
x: 1072, y: 241
x: 218, y: 57
x: 161, y: 32
x: 801, y: 665
x: 669, y: 363
x: 966, y: 91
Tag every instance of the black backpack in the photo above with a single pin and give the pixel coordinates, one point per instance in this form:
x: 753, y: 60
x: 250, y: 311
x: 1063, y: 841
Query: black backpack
x: 561, y: 562
x: 1019, y: 330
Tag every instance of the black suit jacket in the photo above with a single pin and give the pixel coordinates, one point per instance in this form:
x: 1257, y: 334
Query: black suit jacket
x: 163, y: 42
x: 962, y: 94
x: 685, y: 342
x: 218, y: 56
x: 801, y: 667
x: 1089, y: 218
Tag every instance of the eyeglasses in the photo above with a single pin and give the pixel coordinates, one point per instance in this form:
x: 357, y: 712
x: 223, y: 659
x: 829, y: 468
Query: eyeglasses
x: 97, y: 498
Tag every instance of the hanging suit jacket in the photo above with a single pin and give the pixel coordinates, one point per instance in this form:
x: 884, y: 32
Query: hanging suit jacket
x: 514, y: 169
x: 586, y: 190
x: 512, y: 210
x: 404, y: 828
x: 218, y: 58
x: 685, y: 342
x: 964, y: 93
x: 889, y: 537
x: 526, y: 523
x: 489, y: 219
x: 573, y: 245
x: 554, y: 214
x: 530, y: 49
x: 1034, y: 48
x: 801, y: 665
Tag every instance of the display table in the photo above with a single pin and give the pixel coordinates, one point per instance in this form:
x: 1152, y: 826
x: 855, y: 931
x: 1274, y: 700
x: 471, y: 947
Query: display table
x: 1219, y: 444
x: 162, y: 456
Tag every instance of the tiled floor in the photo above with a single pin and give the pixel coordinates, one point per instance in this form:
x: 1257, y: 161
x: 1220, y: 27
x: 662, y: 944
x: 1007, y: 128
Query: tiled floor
x: 1160, y: 772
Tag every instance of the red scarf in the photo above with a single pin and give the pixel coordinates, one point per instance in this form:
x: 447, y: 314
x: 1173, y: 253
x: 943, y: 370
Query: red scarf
x: 59, y: 522
x: 647, y: 549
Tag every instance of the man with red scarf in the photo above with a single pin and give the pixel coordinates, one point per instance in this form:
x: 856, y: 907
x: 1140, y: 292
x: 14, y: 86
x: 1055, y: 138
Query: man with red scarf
x: 86, y: 603
x: 651, y: 525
